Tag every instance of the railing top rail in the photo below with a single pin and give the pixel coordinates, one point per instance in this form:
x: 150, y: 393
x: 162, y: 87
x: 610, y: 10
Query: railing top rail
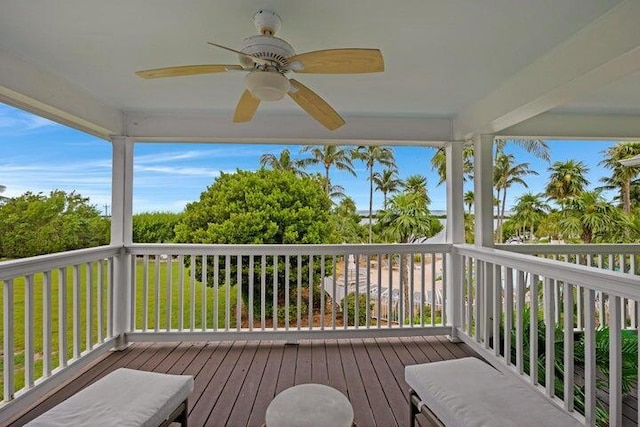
x: 263, y: 249
x: 21, y: 267
x: 610, y: 282
x: 581, y: 249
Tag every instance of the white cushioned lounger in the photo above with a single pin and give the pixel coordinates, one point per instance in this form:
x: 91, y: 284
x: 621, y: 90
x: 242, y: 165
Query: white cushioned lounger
x: 468, y: 392
x: 125, y: 397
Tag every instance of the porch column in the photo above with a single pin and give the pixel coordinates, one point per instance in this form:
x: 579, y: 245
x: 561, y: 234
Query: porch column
x: 483, y: 189
x: 455, y: 234
x: 121, y: 232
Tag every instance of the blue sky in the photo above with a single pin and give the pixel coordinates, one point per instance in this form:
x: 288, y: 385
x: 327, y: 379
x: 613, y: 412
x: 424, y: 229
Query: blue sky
x: 39, y: 156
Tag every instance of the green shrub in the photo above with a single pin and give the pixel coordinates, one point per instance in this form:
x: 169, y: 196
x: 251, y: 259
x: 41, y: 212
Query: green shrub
x: 350, y: 307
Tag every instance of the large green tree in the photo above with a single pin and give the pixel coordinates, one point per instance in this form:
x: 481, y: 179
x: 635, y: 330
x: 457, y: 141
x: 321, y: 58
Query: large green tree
x: 36, y: 224
x: 155, y: 227
x: 328, y: 156
x: 262, y: 207
x: 589, y: 217
x: 621, y: 176
x: 528, y: 212
x: 372, y: 155
x: 348, y: 222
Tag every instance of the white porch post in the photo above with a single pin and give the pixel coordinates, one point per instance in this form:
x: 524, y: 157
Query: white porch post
x: 483, y: 192
x: 121, y: 232
x: 483, y: 189
x: 455, y: 234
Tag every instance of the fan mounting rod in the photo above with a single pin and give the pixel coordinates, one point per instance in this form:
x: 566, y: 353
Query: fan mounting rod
x: 267, y: 22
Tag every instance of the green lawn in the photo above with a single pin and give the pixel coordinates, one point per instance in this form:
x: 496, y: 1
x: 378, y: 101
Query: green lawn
x: 38, y: 289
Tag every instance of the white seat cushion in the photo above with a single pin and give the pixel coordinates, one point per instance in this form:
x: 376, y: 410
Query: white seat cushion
x: 468, y: 392
x: 125, y: 397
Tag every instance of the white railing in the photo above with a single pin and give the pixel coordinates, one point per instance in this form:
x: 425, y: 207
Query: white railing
x: 517, y: 309
x: 57, y: 314
x: 192, y: 290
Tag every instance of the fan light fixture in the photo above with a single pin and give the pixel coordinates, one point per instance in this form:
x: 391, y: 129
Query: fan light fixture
x: 267, y: 85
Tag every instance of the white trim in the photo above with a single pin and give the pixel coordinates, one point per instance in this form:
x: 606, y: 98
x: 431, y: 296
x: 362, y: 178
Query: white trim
x: 33, y: 89
x: 602, y: 52
x: 483, y: 189
x: 581, y: 249
x: 416, y: 131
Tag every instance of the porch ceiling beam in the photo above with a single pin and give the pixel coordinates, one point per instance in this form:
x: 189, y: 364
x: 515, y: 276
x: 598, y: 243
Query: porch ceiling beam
x: 576, y: 126
x: 28, y: 87
x: 287, y: 128
x: 602, y: 52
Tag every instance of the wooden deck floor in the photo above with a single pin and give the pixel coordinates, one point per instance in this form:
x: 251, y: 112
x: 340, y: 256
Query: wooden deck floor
x: 235, y: 381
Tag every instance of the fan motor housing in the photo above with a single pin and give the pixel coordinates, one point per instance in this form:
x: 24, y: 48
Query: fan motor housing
x: 266, y: 47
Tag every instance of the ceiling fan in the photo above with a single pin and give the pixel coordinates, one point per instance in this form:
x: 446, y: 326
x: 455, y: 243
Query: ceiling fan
x: 267, y: 59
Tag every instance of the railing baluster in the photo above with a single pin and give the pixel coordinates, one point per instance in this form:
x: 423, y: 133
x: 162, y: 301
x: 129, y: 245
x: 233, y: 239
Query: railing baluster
x: 46, y: 323
x: 411, y: 290
x: 422, y: 289
x: 216, y: 294
x: 470, y: 294
x: 29, y: 331
x: 192, y: 293
x: 433, y: 290
x: 334, y: 303
x: 110, y: 307
x: 549, y: 320
x: 169, y: 290
x: 263, y: 292
x: 497, y: 307
x: 145, y: 292
x: 368, y: 295
x: 76, y: 312
x: 508, y: 314
x: 287, y: 267
x: 379, y: 296
x: 8, y: 366
x: 181, y: 293
x: 615, y: 362
x: 533, y: 332
x: 100, y: 300
x: 89, y: 307
x: 568, y: 347
x: 322, y: 292
x: 589, y: 358
x: 310, y: 314
x: 520, y: 290
x: 156, y: 323
x: 62, y: 317
x: 250, y: 291
x: 478, y: 294
x: 238, y: 292
x: 227, y: 284
x: 299, y: 293
x: 275, y: 291
x: 390, y: 315
x: 444, y: 291
x: 204, y: 267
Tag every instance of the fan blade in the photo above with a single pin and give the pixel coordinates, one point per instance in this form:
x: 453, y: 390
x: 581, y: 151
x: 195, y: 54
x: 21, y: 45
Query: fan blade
x: 246, y: 108
x: 253, y: 58
x: 315, y: 106
x: 338, y: 61
x: 186, y: 70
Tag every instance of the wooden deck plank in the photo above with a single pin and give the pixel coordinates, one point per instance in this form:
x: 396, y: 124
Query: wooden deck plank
x: 355, y: 387
x: 303, y: 363
x: 247, y: 395
x: 236, y: 381
x: 229, y: 394
x: 267, y: 389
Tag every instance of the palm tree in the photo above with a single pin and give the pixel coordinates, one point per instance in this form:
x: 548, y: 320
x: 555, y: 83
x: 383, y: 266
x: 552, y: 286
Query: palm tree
x: 529, y: 210
x: 387, y: 182
x: 328, y: 155
x: 506, y: 174
x: 537, y: 147
x: 622, y: 176
x: 372, y: 155
x: 282, y: 162
x: 590, y: 217
x: 567, y: 180
x: 469, y: 200
x: 406, y: 220
x: 417, y: 184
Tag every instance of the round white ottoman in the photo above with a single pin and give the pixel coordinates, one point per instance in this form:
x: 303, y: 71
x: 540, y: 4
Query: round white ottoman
x: 310, y: 405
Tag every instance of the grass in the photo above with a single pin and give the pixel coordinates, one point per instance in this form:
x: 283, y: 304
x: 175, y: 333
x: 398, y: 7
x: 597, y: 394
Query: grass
x: 166, y: 299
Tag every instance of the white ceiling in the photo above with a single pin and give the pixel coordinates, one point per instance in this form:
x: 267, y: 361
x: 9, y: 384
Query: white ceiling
x: 453, y: 68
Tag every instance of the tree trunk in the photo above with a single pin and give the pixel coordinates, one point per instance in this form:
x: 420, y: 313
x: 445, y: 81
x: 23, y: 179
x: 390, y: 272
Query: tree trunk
x: 504, y: 202
x: 327, y: 187
x: 626, y: 196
